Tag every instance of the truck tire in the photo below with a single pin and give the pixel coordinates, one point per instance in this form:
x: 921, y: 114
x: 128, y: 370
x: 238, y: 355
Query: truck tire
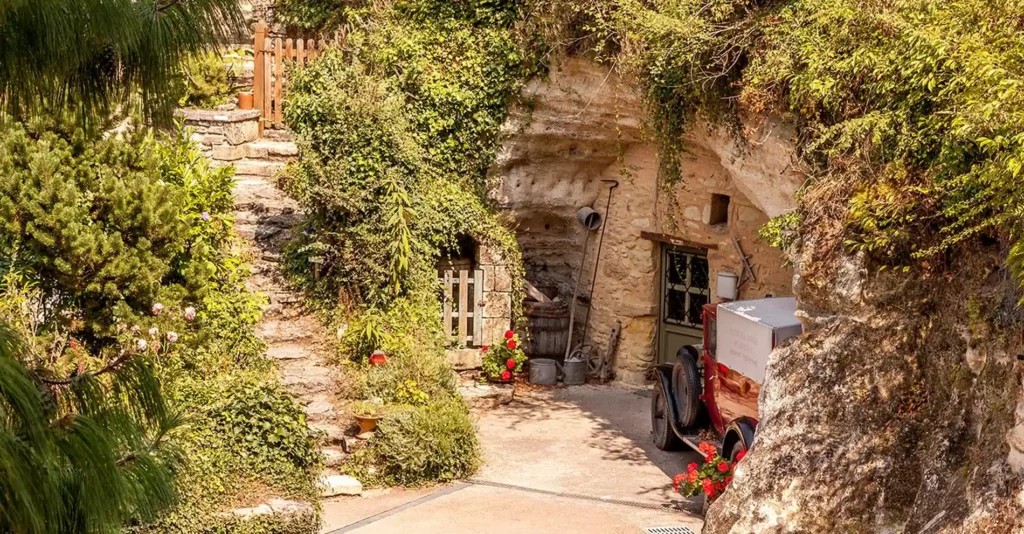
x: 686, y: 385
x: 661, y: 427
x: 737, y: 448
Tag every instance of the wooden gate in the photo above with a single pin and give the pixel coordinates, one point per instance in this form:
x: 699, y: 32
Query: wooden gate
x: 268, y: 80
x: 462, y: 313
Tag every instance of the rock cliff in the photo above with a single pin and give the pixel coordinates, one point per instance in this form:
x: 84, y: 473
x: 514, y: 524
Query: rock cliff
x: 898, y: 410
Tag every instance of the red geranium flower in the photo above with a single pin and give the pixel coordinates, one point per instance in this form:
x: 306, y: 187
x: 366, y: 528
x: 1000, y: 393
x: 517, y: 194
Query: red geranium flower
x: 511, y: 344
x: 709, y: 458
x: 693, y: 476
x: 741, y: 454
x: 677, y: 480
x: 484, y: 348
x: 505, y: 375
x: 509, y: 334
x: 692, y: 467
x: 708, y: 486
x: 719, y: 486
x: 510, y: 363
x: 728, y: 480
x: 723, y: 466
x: 706, y: 448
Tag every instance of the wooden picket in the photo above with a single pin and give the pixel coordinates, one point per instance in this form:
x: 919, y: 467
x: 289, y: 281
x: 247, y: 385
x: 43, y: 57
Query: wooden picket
x: 462, y: 310
x: 269, y: 72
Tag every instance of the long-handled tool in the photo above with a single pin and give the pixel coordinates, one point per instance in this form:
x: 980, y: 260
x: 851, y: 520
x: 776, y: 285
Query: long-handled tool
x: 590, y: 220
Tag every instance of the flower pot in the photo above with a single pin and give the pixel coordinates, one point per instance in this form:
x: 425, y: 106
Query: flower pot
x: 367, y: 423
x: 245, y: 100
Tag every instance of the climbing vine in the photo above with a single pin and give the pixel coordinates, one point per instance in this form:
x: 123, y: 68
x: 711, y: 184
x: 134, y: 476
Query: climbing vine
x: 398, y: 128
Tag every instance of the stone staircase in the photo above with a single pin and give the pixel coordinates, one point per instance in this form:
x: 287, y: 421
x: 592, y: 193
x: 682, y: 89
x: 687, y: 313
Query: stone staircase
x: 266, y: 218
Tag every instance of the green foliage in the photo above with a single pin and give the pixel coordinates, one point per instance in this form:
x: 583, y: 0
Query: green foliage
x: 192, y: 317
x: 86, y: 454
x: 498, y: 357
x: 780, y: 231
x: 409, y: 392
x: 398, y: 130
x: 92, y: 221
x: 366, y: 408
x: 94, y: 55
x: 206, y: 80
x: 909, y: 112
x: 419, y: 445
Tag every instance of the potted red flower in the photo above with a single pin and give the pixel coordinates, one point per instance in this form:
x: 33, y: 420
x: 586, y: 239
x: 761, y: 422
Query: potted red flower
x: 502, y: 360
x: 711, y: 479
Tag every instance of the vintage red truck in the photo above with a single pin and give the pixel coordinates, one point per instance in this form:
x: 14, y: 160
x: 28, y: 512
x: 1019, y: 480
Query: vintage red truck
x: 710, y: 392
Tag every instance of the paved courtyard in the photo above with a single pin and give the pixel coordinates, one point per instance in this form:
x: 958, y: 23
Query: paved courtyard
x: 574, y: 459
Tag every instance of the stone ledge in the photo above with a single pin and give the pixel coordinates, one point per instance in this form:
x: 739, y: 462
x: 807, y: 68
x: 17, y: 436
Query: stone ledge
x: 465, y: 359
x: 215, y: 116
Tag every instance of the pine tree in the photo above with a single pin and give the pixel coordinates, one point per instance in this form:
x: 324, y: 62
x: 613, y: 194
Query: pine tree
x: 85, y: 454
x: 94, y: 54
x: 92, y: 222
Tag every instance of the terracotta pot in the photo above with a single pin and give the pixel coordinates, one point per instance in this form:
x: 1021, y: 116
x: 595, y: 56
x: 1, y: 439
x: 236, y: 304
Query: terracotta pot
x: 367, y: 424
x: 245, y: 100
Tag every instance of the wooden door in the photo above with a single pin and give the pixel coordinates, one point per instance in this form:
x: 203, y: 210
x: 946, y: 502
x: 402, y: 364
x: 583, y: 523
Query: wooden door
x: 685, y: 289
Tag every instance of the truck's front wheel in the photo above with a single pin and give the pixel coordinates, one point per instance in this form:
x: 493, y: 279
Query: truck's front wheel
x: 686, y: 386
x: 661, y: 428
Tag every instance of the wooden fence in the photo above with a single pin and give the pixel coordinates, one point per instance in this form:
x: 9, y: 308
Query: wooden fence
x: 462, y: 313
x: 269, y: 73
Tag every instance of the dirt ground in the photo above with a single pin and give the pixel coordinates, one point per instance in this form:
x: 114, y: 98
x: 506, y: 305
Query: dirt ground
x: 576, y: 459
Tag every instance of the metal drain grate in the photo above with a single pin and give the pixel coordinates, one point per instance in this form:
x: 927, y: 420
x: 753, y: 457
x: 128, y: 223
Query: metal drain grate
x: 668, y: 530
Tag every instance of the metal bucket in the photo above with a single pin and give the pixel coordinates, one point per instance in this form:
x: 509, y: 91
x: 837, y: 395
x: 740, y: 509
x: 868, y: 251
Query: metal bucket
x: 574, y: 373
x: 543, y: 372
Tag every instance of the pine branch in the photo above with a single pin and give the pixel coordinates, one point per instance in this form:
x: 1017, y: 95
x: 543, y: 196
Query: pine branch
x: 111, y: 366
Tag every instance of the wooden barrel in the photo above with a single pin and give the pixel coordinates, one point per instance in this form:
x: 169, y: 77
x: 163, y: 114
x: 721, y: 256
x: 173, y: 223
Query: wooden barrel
x: 548, y: 324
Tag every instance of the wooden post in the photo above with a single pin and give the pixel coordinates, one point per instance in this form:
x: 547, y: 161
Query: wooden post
x: 279, y: 80
x: 258, y: 71
x: 478, y: 310
x: 446, y: 316
x: 268, y: 88
x: 300, y: 54
x: 463, y: 304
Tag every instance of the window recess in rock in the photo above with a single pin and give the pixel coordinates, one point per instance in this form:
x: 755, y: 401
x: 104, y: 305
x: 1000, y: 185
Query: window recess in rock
x: 719, y: 209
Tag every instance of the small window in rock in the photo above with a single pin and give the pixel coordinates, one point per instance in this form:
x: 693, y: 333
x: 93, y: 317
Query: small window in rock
x: 719, y: 209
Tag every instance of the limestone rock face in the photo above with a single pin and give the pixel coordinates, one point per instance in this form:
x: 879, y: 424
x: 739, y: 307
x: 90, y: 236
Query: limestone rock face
x: 873, y: 421
x: 583, y: 131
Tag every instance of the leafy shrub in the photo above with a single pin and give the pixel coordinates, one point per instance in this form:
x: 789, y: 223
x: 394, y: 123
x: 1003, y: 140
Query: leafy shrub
x: 420, y: 444
x: 90, y: 221
x: 138, y: 248
x: 501, y: 360
x: 207, y: 80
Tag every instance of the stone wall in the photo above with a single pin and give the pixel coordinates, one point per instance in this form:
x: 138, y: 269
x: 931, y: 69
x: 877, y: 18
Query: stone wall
x: 585, y: 129
x: 497, y: 294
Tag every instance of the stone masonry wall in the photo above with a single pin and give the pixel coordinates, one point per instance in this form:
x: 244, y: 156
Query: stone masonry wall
x: 497, y: 294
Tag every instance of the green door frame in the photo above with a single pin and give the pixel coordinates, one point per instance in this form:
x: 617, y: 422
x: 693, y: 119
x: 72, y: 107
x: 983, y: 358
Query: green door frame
x: 681, y: 328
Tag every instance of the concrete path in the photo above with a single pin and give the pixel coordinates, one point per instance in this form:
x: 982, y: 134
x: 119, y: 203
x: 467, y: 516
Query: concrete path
x: 554, y: 460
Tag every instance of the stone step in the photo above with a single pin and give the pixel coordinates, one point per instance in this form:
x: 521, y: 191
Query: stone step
x: 319, y: 410
x: 288, y: 352
x: 333, y: 456
x: 257, y: 167
x: 273, y: 150
x: 332, y: 433
x: 260, y: 195
x: 277, y: 134
x: 334, y: 485
x: 275, y: 331
x: 306, y: 380
x: 263, y: 150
